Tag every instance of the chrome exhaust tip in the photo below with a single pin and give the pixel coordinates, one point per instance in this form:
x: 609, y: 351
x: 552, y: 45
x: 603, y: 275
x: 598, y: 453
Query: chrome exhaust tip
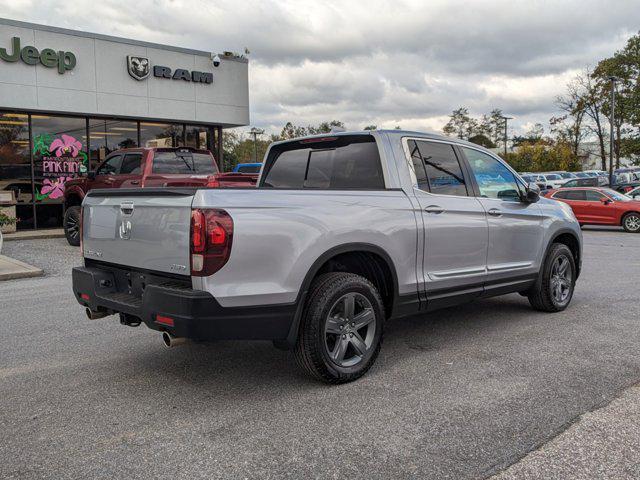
x: 94, y: 314
x: 170, y: 341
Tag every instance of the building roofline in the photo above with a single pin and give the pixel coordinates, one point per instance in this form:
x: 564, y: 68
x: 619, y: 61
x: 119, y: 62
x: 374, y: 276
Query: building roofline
x: 109, y: 38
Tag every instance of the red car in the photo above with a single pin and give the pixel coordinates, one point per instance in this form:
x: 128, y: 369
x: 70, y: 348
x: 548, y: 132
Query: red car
x: 147, y: 167
x: 600, y: 206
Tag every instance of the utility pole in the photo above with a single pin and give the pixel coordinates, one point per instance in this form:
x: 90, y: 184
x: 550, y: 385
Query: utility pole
x: 611, y: 120
x: 255, y: 132
x: 506, y: 119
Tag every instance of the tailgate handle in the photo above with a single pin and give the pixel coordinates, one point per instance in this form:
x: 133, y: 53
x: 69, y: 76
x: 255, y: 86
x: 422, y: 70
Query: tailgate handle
x: 126, y: 208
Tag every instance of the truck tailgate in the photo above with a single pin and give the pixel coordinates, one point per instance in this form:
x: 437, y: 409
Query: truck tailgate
x: 141, y: 228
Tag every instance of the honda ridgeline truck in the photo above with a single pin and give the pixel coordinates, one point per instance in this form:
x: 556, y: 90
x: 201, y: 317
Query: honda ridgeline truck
x: 343, y: 232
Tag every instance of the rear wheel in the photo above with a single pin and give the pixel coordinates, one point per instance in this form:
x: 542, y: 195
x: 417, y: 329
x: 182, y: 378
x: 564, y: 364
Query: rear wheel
x: 631, y: 222
x: 71, y: 225
x: 554, y: 289
x: 341, y: 328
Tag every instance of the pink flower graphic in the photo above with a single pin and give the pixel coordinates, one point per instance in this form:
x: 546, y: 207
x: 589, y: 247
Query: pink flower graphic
x: 55, y: 188
x: 68, y: 144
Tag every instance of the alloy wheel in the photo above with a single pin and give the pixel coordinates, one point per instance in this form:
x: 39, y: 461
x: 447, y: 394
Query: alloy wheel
x: 561, y: 279
x: 73, y: 226
x: 632, y: 222
x: 350, y: 329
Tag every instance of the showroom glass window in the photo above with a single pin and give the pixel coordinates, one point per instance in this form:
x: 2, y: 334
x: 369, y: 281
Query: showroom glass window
x: 161, y: 134
x: 198, y: 137
x: 59, y: 151
x: 15, y: 164
x: 107, y: 136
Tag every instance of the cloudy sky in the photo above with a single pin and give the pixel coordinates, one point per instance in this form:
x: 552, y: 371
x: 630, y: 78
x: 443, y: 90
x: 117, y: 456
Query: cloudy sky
x: 388, y: 63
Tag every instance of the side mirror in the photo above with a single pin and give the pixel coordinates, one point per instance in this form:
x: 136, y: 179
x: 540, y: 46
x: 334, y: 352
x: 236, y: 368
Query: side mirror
x: 605, y: 201
x: 532, y: 194
x: 91, y: 174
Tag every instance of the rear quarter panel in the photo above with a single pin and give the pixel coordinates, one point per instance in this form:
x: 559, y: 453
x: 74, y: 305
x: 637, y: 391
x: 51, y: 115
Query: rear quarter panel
x: 279, y: 234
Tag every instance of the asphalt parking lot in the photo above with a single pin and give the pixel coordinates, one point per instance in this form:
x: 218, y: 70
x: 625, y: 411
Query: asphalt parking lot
x: 461, y: 393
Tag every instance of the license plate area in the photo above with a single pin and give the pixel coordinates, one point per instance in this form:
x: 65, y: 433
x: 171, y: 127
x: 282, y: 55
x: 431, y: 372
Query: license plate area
x: 134, y: 281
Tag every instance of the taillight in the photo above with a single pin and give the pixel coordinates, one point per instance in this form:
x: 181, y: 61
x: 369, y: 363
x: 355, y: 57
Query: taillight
x: 211, y: 238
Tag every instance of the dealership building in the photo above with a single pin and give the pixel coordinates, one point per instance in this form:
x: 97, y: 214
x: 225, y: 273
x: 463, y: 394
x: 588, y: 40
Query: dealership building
x: 69, y: 98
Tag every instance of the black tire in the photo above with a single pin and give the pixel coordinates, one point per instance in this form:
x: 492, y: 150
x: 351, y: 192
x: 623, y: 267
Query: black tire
x: 313, y: 343
x: 71, y: 225
x: 543, y: 295
x: 631, y: 222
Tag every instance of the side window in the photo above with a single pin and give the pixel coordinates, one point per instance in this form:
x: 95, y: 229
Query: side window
x: 418, y: 166
x: 493, y: 178
x: 577, y: 195
x: 111, y: 166
x: 593, y: 196
x: 288, y: 170
x: 131, y: 165
x: 562, y: 194
x: 442, y: 167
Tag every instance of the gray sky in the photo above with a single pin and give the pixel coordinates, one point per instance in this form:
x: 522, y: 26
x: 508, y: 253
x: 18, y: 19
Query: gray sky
x: 388, y: 63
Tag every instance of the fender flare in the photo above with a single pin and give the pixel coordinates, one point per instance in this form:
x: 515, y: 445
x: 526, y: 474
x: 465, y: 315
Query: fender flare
x: 315, y: 267
x: 562, y: 231
x: 73, y: 191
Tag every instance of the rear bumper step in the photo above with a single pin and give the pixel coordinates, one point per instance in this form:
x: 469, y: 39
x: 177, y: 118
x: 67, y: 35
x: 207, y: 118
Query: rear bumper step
x: 195, y: 314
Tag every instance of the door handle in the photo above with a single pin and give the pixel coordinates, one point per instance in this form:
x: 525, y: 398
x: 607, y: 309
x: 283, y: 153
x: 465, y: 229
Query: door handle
x: 494, y: 212
x: 135, y: 182
x: 435, y: 209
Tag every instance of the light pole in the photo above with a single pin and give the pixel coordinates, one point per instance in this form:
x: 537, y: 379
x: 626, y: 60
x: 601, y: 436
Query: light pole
x: 255, y: 132
x: 506, y: 119
x: 611, y: 120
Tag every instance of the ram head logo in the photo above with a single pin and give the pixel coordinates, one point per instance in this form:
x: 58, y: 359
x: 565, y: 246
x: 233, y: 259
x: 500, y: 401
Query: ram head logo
x: 138, y: 67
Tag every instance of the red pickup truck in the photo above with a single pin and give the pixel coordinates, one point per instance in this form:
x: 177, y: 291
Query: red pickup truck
x: 147, y: 167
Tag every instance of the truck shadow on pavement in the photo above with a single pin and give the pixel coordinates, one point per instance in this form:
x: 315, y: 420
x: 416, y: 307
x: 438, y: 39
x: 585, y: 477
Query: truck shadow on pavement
x: 227, y: 366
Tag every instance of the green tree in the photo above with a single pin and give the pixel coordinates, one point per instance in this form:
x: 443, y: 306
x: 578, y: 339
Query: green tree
x: 370, y: 127
x: 460, y: 124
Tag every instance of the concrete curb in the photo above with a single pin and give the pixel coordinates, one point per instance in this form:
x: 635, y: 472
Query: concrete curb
x: 11, y: 269
x: 33, y: 235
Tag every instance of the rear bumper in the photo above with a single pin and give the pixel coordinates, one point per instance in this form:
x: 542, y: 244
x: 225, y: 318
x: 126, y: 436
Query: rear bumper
x: 195, y: 314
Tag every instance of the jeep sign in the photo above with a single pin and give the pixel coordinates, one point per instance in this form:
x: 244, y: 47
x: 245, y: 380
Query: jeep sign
x: 31, y: 56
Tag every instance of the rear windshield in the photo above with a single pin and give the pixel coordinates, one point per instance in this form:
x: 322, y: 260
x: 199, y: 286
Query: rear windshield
x: 342, y: 162
x: 184, y: 162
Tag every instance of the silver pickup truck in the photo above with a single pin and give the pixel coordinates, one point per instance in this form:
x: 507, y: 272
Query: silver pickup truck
x: 343, y: 232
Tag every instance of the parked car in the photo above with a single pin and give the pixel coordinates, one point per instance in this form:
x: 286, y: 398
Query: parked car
x: 601, y: 206
x: 247, y: 168
x: 586, y: 182
x: 626, y: 181
x: 635, y: 193
x: 344, y: 231
x: 144, y: 168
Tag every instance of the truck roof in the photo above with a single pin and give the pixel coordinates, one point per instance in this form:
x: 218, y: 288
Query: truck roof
x: 390, y: 133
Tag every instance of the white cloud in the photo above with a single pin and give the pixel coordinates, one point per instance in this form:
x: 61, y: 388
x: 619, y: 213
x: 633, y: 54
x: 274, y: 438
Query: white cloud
x: 389, y: 63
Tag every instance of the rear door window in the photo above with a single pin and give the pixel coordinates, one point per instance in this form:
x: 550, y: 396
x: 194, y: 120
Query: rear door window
x: 443, y: 171
x: 131, y: 165
x: 343, y: 162
x: 576, y: 195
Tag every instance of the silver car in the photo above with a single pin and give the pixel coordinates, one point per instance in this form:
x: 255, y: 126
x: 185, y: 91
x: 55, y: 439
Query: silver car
x: 344, y: 232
